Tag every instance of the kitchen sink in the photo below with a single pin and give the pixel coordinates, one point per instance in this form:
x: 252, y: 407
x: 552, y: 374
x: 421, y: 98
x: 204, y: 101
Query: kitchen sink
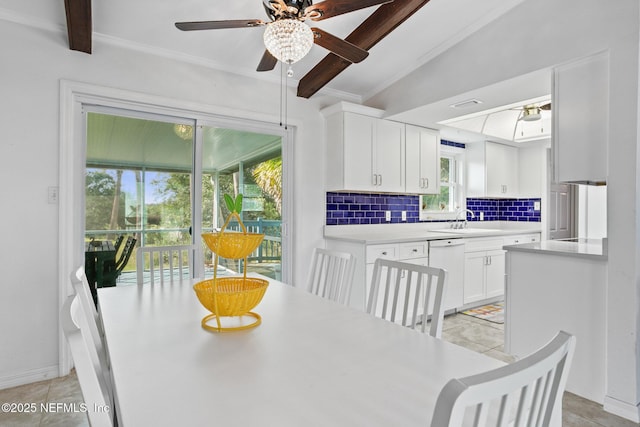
x: 467, y: 230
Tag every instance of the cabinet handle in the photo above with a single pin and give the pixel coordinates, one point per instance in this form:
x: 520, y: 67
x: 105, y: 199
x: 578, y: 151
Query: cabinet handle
x: 489, y: 260
x: 516, y: 241
x: 384, y: 253
x: 427, y: 183
x: 415, y: 250
x: 380, y: 179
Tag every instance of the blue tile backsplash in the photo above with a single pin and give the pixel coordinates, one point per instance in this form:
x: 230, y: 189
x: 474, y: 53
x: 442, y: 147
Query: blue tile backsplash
x: 367, y: 208
x: 504, y: 209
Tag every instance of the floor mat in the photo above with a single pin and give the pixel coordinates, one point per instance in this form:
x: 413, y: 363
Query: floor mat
x: 491, y: 312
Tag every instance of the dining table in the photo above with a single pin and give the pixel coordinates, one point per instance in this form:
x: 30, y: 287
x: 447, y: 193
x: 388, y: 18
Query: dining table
x: 311, y: 362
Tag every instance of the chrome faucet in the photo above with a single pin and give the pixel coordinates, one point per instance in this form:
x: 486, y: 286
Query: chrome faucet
x: 459, y: 224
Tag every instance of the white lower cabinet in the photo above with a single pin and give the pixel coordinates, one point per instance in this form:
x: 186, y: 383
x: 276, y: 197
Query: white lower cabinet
x: 483, y: 270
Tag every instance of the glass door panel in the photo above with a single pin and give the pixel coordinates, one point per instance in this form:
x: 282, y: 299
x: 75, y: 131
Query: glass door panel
x: 240, y: 162
x: 138, y: 182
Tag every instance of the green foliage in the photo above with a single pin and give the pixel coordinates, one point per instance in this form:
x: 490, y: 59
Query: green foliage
x: 234, y: 206
x: 100, y: 189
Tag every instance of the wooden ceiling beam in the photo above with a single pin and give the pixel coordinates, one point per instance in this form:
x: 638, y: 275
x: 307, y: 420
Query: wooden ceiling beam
x: 79, y: 24
x: 376, y: 27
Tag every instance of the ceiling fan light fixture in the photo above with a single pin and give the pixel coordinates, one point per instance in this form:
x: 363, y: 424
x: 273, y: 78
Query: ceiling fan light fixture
x: 289, y: 40
x: 531, y: 113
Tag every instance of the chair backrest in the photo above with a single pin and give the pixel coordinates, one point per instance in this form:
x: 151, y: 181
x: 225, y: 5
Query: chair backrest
x: 331, y: 275
x: 407, y: 294
x: 126, y: 254
x: 91, y: 380
x: 80, y: 285
x: 118, y: 242
x: 174, y: 262
x: 523, y: 393
x: 90, y: 324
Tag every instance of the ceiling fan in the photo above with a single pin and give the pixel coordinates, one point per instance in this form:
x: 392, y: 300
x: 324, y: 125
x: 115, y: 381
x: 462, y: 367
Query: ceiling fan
x: 531, y: 112
x: 287, y: 37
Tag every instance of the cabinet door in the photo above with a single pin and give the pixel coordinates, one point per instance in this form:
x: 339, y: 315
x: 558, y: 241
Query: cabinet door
x: 501, y: 169
x: 580, y: 120
x: 388, y: 156
x: 494, y: 285
x: 358, y: 161
x: 422, y: 160
x: 474, y: 276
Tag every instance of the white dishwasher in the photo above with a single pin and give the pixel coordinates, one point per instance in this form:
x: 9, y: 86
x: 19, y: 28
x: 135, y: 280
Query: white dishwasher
x: 449, y: 254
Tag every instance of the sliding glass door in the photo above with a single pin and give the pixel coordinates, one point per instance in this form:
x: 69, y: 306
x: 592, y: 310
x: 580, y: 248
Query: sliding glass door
x: 161, y: 180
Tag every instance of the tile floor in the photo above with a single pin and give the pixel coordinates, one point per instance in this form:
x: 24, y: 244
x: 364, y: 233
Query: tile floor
x: 475, y: 334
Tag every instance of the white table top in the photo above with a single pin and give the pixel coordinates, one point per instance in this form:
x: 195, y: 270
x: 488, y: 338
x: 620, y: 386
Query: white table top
x: 311, y: 362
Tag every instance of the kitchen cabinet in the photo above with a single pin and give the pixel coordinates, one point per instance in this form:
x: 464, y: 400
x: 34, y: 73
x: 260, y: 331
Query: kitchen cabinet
x: 484, y: 265
x: 580, y: 109
x: 492, y: 170
x: 364, y: 153
x: 422, y: 160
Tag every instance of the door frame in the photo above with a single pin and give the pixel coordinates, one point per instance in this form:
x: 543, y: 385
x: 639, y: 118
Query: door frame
x: 72, y: 163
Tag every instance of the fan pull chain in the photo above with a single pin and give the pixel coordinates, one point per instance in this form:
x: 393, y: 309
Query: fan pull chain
x: 281, y: 78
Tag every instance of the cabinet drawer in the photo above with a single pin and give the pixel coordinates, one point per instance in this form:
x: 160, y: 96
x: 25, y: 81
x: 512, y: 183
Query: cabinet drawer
x: 413, y: 250
x: 521, y: 238
x: 474, y: 245
x: 381, y: 251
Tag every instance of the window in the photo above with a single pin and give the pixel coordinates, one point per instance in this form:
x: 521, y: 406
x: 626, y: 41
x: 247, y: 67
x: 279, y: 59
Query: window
x: 451, y: 197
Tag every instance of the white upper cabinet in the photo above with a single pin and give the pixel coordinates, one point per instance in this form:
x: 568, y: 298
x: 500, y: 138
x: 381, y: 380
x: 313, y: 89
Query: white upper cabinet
x: 422, y: 160
x: 364, y: 153
x: 580, y: 109
x: 388, y: 156
x: 492, y: 170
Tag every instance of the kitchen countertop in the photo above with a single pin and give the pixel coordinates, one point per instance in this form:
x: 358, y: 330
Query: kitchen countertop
x: 405, y: 233
x: 581, y: 248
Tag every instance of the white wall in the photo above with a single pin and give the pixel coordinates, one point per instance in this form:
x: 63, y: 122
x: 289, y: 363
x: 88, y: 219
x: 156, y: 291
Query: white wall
x: 33, y: 64
x: 539, y: 35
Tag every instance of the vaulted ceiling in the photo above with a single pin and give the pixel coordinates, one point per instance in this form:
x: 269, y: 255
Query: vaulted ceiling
x: 400, y: 36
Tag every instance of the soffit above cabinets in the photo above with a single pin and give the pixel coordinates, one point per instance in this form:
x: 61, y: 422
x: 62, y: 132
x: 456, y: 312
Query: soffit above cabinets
x: 505, y: 122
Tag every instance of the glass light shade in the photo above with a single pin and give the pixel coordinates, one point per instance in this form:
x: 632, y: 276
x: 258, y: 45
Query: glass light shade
x: 289, y: 40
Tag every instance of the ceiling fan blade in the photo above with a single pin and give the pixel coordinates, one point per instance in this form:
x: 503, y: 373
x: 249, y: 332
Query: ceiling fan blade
x: 546, y: 107
x: 330, y: 8
x: 268, y: 62
x: 216, y: 25
x: 342, y: 48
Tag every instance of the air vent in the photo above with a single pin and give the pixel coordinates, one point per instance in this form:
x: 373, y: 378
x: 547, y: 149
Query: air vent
x: 466, y: 104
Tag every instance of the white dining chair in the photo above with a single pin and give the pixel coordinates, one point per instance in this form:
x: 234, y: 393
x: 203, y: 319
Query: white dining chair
x: 164, y: 263
x: 90, y: 376
x: 408, y: 294
x: 90, y: 322
x: 331, y: 275
x: 524, y: 393
x: 81, y: 286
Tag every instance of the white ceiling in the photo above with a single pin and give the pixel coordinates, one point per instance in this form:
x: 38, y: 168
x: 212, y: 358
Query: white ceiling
x: 149, y: 25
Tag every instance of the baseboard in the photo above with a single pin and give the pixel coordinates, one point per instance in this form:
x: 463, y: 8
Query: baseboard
x: 28, y: 377
x: 622, y: 409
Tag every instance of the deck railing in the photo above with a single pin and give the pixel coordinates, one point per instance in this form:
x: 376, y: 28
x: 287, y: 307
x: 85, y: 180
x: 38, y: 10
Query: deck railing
x: 269, y: 250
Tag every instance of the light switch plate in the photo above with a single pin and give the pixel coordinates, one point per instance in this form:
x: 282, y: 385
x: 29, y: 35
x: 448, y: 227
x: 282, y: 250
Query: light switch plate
x: 536, y: 206
x: 404, y: 215
x: 387, y: 216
